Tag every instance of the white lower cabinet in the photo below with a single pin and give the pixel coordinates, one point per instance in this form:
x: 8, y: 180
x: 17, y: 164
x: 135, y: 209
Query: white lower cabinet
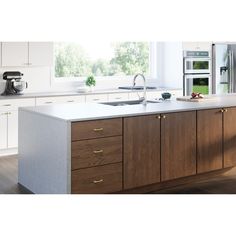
x: 97, y: 98
x: 59, y: 100
x: 9, y: 122
x: 3, y: 130
x: 118, y: 97
x: 12, y: 137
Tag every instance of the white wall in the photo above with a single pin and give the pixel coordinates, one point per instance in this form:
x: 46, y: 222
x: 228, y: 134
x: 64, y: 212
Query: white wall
x: 170, y: 64
x: 167, y: 73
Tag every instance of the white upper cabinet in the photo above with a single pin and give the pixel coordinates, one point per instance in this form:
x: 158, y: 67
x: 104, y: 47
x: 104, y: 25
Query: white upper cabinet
x: 27, y: 54
x: 41, y: 53
x: 15, y: 54
x: 203, y: 46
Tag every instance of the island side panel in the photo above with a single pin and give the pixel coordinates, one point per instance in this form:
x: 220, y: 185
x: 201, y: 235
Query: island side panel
x: 44, y: 153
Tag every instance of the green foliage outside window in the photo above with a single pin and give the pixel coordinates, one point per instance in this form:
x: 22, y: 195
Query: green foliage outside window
x: 129, y: 58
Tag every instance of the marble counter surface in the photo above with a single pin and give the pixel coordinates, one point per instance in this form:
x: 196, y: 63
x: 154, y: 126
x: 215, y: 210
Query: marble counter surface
x: 74, y: 93
x: 92, y: 111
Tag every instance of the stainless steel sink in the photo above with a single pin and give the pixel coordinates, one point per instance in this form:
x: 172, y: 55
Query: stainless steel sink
x: 130, y: 102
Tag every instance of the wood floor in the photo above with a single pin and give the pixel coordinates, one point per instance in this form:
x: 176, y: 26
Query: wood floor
x: 222, y: 184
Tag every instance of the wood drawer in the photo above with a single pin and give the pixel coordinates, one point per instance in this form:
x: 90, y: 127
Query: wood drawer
x: 101, y: 179
x: 95, y: 152
x: 96, y: 129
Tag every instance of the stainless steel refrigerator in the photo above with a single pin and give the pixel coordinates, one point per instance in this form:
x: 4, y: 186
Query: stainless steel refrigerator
x: 223, y: 68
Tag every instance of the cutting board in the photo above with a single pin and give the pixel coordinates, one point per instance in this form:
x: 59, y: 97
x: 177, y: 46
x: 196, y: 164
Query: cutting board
x: 189, y: 99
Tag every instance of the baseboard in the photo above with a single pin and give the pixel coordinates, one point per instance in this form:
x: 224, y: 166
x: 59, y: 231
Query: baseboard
x: 26, y: 190
x: 8, y: 152
x: 176, y: 182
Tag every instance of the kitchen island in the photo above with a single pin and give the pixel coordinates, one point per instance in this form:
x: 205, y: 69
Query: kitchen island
x: 96, y: 148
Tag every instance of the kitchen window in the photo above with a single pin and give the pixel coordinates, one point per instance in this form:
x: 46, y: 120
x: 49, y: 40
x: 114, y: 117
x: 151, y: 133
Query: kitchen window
x: 101, y: 59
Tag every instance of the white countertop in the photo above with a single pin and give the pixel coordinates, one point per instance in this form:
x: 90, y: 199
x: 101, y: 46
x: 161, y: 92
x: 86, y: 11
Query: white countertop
x: 74, y: 93
x: 93, y: 111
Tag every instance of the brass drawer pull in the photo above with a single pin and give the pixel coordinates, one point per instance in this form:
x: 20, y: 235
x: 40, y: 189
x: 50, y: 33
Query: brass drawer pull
x: 48, y: 102
x: 98, y: 151
x: 98, y: 129
x: 70, y: 101
x: 98, y: 181
x: 7, y: 105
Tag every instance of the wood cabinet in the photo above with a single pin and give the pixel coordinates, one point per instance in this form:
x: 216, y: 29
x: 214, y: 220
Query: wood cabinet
x: 95, y: 152
x: 141, y: 151
x: 178, y: 145
x: 96, y: 129
x: 100, y: 179
x: 27, y: 54
x: 229, y: 124
x: 96, y: 156
x: 209, y: 140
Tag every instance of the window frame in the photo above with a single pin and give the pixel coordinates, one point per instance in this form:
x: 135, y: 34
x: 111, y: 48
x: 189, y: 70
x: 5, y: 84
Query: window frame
x: 151, y: 75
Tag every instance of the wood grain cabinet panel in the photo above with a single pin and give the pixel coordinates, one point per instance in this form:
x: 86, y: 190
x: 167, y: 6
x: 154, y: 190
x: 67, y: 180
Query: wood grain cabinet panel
x: 229, y: 122
x: 94, y: 152
x: 209, y: 140
x: 178, y: 145
x: 141, y: 151
x: 101, y: 179
x: 96, y: 129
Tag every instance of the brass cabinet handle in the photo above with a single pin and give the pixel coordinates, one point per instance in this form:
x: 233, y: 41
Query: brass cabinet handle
x: 96, y: 99
x: 158, y: 117
x: 70, y: 101
x: 163, y: 116
x: 48, y: 102
x: 98, y: 181
x: 225, y: 110
x: 5, y: 113
x: 98, y: 129
x: 7, y: 105
x: 222, y: 110
x: 98, y: 151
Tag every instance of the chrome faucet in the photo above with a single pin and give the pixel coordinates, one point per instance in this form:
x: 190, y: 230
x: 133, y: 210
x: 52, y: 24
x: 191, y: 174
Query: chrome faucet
x: 144, y: 87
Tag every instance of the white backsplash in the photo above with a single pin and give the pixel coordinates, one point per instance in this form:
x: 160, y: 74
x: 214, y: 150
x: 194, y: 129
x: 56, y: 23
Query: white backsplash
x: 40, y: 79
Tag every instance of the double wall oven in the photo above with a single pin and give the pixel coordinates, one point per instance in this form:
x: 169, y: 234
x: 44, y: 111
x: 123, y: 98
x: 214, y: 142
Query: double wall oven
x: 197, y: 72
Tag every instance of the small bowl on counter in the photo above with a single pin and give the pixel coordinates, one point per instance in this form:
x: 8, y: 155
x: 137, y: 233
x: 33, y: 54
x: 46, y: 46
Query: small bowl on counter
x: 166, y: 95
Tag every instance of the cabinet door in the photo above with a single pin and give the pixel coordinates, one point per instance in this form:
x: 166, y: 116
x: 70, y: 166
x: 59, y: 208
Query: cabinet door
x: 141, y: 151
x: 209, y: 140
x: 15, y: 54
x: 12, y: 129
x: 229, y: 137
x: 203, y: 46
x: 3, y: 130
x: 178, y: 145
x: 97, y: 98
x: 41, y: 53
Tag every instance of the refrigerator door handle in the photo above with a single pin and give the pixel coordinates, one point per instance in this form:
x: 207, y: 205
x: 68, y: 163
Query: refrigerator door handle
x: 232, y: 72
